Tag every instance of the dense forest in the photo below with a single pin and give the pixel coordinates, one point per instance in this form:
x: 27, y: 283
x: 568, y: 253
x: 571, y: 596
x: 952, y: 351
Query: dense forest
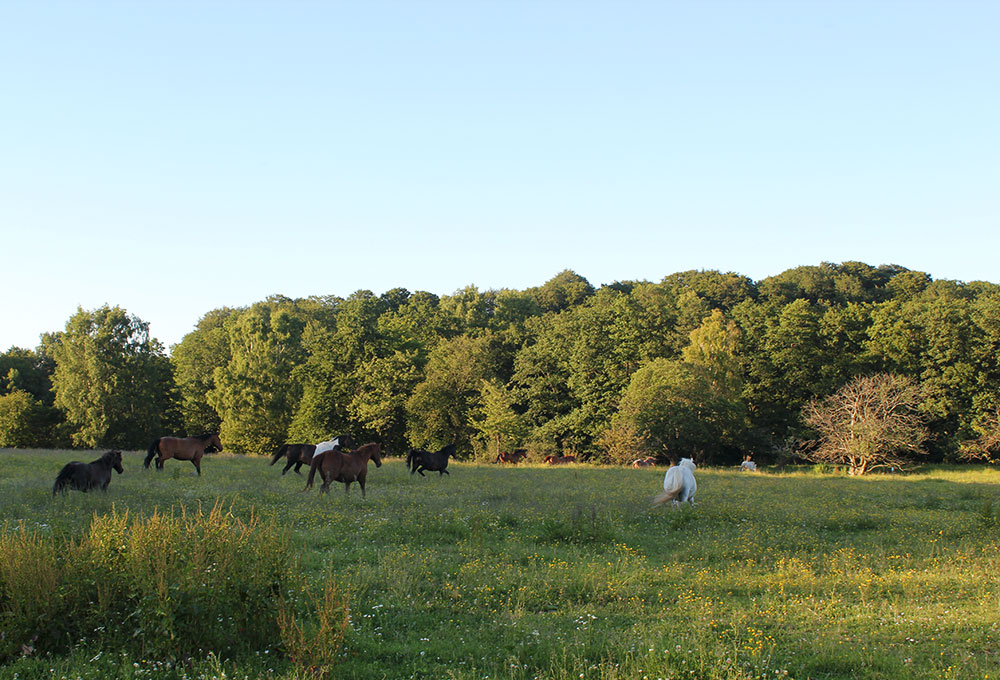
x: 703, y: 362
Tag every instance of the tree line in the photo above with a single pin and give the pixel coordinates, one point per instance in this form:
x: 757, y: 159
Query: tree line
x: 703, y: 362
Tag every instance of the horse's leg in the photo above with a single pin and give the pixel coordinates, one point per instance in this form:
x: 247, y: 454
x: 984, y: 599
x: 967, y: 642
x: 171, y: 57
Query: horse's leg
x: 421, y: 471
x: 361, y: 483
x: 159, y: 462
x: 444, y: 471
x: 288, y: 466
x: 196, y: 461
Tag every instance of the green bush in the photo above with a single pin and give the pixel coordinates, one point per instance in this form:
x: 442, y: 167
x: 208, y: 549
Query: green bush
x: 162, y: 586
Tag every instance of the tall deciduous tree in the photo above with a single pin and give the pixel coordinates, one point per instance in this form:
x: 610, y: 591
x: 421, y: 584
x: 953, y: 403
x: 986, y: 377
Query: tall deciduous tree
x: 496, y: 419
x: 254, y: 393
x: 438, y: 410
x: 112, y: 380
x: 195, y: 359
x: 870, y: 422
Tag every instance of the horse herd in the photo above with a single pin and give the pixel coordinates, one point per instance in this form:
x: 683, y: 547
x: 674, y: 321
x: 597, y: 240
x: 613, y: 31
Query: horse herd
x: 336, y: 460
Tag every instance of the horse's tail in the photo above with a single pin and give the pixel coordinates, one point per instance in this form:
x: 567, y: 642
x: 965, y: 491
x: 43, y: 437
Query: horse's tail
x: 153, y: 450
x: 280, y: 452
x: 312, y: 470
x: 665, y: 496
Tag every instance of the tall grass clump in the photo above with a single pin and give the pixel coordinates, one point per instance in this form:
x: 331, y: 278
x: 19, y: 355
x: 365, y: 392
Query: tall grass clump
x: 164, y: 586
x: 312, y: 638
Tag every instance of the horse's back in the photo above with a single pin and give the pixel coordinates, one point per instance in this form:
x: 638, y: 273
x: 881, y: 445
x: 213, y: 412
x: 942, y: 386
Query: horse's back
x: 679, y: 481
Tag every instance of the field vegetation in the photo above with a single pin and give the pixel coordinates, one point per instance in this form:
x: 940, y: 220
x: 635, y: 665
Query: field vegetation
x: 491, y: 572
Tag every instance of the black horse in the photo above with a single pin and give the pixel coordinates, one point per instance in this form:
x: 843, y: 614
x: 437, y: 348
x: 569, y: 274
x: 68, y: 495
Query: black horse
x: 87, y: 476
x: 418, y: 460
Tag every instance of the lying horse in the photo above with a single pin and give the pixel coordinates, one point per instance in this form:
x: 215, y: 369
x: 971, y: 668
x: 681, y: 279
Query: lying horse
x: 513, y: 458
x: 87, y: 476
x: 644, y: 462
x: 418, y: 460
x: 183, y: 448
x: 678, y: 484
x: 336, y: 465
x: 559, y: 460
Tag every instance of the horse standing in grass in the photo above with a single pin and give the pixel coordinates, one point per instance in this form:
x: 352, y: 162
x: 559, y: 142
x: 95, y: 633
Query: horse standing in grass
x: 559, y: 460
x: 418, y: 460
x: 87, y: 476
x: 644, y: 462
x: 183, y: 448
x: 678, y: 484
x: 346, y: 467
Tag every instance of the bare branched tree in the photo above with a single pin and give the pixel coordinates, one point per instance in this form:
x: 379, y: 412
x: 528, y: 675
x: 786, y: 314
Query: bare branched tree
x: 871, y: 422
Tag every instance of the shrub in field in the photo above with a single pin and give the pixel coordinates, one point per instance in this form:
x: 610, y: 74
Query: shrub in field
x: 313, y: 639
x: 162, y: 586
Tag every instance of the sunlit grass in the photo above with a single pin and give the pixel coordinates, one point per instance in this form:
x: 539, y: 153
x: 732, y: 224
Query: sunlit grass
x: 535, y: 572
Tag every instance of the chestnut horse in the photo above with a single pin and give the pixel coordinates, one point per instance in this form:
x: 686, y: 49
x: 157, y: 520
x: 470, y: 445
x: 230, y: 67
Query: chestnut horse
x: 186, y: 448
x: 514, y: 457
x: 344, y: 466
x: 559, y: 460
x: 87, y: 476
x: 644, y: 462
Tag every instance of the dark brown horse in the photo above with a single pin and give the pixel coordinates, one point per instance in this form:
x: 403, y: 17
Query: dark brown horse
x: 87, y: 476
x: 514, y: 457
x: 297, y: 455
x: 559, y: 460
x: 344, y: 466
x: 302, y: 454
x: 183, y: 448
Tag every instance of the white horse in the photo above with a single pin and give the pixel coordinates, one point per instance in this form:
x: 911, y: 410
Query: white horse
x: 330, y: 444
x: 678, y: 484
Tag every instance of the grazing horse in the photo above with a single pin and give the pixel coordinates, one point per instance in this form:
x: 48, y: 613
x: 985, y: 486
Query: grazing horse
x: 678, y: 484
x: 514, y: 457
x: 302, y: 454
x: 183, y: 448
x: 559, y: 460
x: 337, y: 465
x: 644, y: 462
x: 418, y: 460
x: 87, y: 476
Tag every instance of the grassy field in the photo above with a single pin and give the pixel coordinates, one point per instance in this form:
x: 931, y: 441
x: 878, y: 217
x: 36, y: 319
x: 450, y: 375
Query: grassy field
x: 567, y: 572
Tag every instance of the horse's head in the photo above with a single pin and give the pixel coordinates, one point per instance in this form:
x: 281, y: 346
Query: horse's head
x: 377, y: 455
x: 688, y: 463
x: 216, y: 442
x: 115, y: 458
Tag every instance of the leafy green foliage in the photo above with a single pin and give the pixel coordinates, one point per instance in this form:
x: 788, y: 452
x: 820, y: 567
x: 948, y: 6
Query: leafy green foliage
x: 573, y: 360
x: 113, y: 382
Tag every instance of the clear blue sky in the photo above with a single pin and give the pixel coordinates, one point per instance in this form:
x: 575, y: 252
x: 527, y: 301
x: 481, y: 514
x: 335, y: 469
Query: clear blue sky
x: 172, y: 157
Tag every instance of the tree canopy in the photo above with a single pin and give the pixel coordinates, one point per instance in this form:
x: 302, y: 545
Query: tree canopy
x: 702, y: 362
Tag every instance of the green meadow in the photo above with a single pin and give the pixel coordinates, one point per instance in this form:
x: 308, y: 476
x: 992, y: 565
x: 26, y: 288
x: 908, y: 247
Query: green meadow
x: 493, y: 572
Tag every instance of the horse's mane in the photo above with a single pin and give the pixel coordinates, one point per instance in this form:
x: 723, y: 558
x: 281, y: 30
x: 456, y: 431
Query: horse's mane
x: 371, y: 446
